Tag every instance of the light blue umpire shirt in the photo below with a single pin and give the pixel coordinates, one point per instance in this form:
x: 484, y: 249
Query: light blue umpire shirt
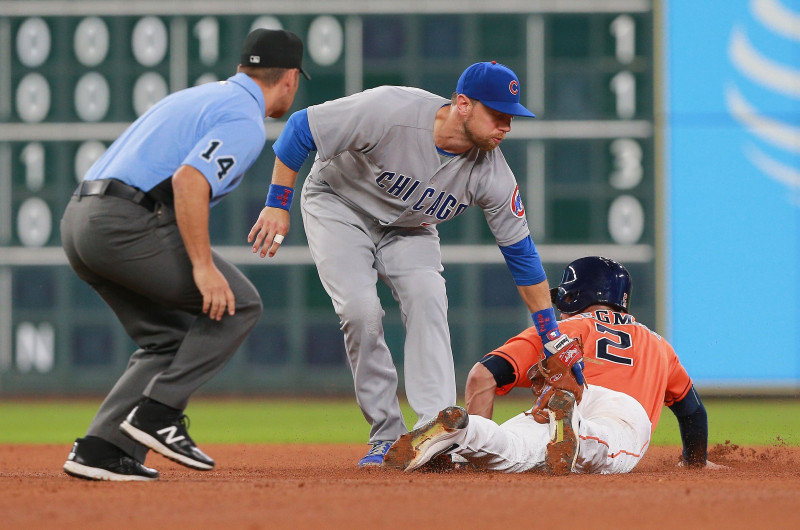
x: 217, y: 128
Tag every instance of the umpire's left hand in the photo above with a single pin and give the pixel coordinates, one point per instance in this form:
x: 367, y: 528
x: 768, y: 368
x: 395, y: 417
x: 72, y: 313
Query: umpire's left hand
x: 217, y: 294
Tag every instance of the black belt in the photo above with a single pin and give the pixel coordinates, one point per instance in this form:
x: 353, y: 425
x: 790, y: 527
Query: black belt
x: 115, y: 188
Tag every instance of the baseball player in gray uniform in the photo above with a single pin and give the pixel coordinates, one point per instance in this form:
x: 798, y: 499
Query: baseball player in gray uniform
x: 136, y: 230
x: 392, y: 163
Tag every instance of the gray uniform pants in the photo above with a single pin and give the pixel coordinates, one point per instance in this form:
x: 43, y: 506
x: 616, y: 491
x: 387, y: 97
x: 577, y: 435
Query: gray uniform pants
x: 135, y: 259
x: 351, y: 252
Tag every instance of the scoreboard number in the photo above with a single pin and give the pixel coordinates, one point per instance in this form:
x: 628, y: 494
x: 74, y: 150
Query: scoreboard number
x: 628, y: 171
x: 149, y: 41
x: 624, y: 87
x: 207, y: 33
x: 87, y: 154
x: 623, y: 28
x: 33, y: 42
x: 33, y: 98
x: 91, y: 41
x: 92, y: 97
x: 32, y: 158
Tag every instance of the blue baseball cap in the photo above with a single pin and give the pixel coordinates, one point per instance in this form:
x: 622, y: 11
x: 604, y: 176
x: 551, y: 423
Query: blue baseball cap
x: 494, y: 85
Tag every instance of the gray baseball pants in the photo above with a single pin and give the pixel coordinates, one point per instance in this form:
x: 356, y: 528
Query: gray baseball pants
x: 351, y: 251
x: 135, y: 259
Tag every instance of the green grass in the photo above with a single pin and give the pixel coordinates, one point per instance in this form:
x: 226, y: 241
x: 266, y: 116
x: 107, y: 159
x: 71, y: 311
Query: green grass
x: 743, y: 422
x: 307, y: 420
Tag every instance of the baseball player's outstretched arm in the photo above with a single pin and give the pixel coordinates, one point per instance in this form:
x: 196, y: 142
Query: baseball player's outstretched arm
x: 693, y: 425
x: 526, y: 268
x: 291, y: 148
x: 272, y: 224
x: 192, y: 192
x: 536, y: 297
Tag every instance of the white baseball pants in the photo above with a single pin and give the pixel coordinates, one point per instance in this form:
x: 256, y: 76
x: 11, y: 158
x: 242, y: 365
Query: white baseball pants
x: 614, y: 432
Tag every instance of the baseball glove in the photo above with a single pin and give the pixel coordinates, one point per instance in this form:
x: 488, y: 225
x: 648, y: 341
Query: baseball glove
x: 555, y: 373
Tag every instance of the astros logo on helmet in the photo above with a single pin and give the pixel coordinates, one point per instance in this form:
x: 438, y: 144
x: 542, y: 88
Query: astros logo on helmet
x: 513, y: 87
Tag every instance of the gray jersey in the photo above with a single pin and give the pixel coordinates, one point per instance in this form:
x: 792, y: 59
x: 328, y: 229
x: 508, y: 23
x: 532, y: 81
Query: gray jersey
x: 376, y: 150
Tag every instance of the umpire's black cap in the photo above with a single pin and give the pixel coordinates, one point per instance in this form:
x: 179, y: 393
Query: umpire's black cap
x: 273, y: 48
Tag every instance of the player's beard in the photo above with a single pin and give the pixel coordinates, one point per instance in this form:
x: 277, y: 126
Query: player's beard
x: 484, y: 143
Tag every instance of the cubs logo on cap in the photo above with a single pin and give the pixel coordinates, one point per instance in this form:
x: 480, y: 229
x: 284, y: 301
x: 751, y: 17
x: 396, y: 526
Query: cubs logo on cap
x: 494, y: 85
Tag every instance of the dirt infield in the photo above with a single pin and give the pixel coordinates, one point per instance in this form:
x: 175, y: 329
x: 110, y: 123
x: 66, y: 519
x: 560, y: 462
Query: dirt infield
x: 295, y: 486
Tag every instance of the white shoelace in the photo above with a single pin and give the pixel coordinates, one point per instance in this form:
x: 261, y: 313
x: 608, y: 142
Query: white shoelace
x: 379, y: 448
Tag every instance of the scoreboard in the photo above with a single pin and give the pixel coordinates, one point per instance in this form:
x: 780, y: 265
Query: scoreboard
x: 74, y: 74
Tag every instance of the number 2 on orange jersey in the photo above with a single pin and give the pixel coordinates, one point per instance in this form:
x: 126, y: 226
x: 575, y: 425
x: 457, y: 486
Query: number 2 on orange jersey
x: 604, y: 343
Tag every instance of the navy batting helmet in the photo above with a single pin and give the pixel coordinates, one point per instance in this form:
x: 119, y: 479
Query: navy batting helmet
x: 592, y: 280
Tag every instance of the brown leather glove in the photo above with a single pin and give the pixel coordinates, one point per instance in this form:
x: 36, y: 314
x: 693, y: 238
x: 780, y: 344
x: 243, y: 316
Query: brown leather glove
x: 551, y: 374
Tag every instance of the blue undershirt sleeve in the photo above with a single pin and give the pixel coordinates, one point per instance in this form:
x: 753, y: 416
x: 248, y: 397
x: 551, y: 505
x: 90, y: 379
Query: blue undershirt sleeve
x: 693, y: 426
x: 295, y: 141
x: 501, y: 369
x: 524, y: 263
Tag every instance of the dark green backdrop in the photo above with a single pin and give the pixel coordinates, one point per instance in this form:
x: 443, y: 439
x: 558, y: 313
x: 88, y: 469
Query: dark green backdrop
x: 587, y: 76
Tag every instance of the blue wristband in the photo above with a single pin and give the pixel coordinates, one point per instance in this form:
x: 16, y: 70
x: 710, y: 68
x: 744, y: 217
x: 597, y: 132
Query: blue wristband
x: 547, y: 327
x: 546, y: 324
x: 279, y: 197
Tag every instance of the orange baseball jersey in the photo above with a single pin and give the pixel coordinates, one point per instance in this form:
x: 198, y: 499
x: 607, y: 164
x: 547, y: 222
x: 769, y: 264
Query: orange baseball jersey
x: 619, y: 354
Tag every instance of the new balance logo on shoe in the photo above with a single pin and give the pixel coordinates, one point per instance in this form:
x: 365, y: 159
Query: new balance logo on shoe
x: 170, y: 438
x: 166, y: 435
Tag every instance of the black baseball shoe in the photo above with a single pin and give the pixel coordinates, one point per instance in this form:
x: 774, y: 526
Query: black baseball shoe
x: 164, y: 430
x: 93, y: 458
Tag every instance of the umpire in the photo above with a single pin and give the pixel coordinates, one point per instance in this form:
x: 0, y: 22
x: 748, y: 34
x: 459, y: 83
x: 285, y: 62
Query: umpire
x: 136, y: 230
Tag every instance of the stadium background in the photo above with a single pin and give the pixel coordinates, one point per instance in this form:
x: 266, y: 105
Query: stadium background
x: 610, y: 166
